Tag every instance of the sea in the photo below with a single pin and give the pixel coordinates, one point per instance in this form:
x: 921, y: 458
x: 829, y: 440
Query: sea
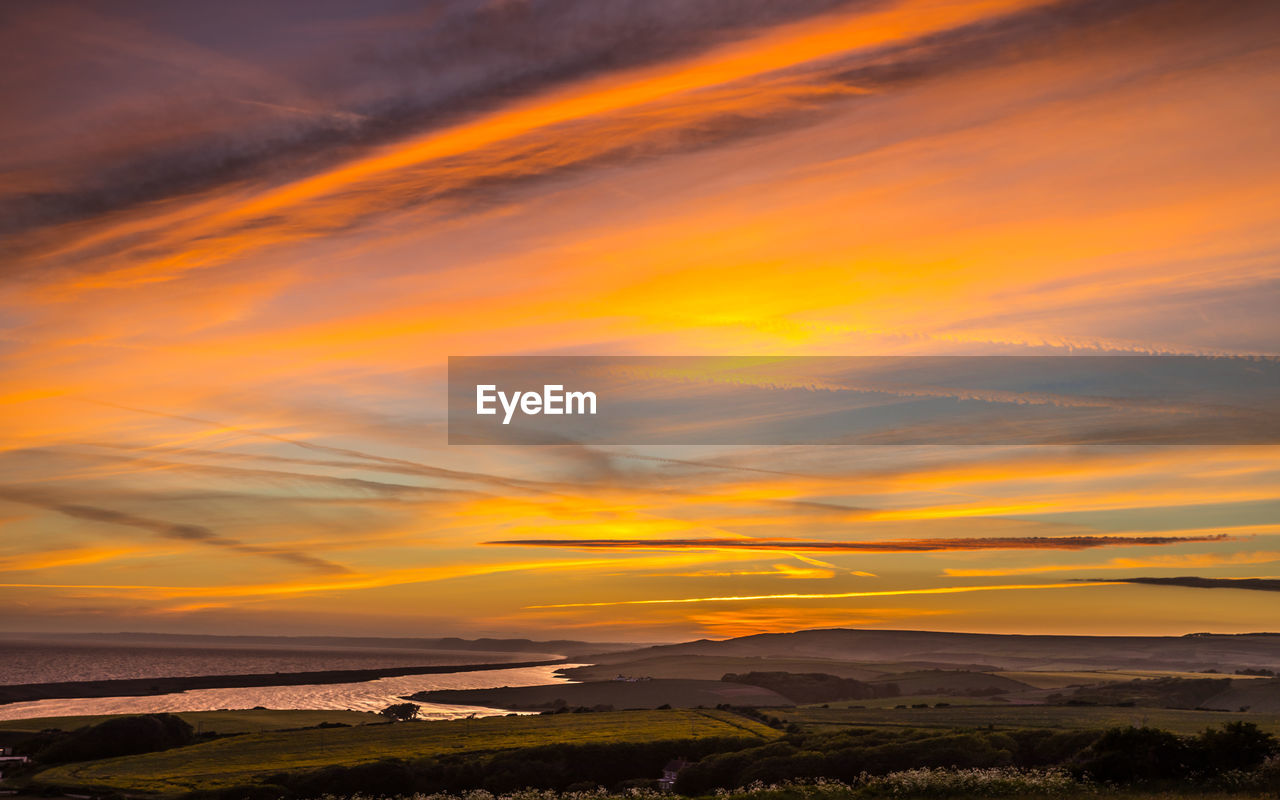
x: 49, y: 662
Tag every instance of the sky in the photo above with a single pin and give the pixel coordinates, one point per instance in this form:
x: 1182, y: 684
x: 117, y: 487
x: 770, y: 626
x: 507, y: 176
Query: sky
x: 240, y: 241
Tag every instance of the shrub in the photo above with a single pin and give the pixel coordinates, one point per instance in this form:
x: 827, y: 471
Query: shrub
x: 401, y: 712
x: 1128, y: 755
x: 1238, y: 746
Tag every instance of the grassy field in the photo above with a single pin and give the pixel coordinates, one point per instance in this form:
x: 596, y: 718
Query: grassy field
x: 243, y: 721
x: 242, y: 759
x: 1011, y: 716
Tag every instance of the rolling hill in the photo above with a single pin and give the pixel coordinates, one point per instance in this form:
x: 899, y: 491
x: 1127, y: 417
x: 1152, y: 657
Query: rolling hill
x: 1191, y: 653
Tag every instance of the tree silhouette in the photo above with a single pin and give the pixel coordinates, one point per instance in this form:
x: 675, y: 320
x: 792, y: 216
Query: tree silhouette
x: 401, y: 712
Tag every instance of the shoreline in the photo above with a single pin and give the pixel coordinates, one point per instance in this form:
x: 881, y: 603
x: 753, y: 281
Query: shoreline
x: 141, y: 687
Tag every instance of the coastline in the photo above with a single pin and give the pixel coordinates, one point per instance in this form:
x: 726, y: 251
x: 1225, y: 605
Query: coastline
x: 139, y: 687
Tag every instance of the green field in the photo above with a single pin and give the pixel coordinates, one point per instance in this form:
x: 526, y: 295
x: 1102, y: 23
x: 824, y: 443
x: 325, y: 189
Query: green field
x: 1010, y: 716
x: 243, y: 721
x: 243, y: 759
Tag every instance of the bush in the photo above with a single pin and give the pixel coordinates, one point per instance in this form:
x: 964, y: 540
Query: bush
x: 1129, y: 755
x: 1238, y: 746
x: 847, y: 755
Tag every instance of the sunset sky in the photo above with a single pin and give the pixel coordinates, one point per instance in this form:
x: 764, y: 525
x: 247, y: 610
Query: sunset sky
x: 238, y: 242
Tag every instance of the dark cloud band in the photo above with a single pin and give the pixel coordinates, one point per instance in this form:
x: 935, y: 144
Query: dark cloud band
x: 1193, y: 582
x: 891, y: 546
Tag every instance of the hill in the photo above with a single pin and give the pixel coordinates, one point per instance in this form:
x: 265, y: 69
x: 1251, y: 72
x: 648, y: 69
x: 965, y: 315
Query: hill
x: 1192, y: 653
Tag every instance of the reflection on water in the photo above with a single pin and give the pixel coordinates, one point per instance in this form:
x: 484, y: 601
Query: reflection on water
x: 363, y: 696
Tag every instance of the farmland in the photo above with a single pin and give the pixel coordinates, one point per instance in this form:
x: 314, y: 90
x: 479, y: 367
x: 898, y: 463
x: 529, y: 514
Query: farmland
x: 245, y: 759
